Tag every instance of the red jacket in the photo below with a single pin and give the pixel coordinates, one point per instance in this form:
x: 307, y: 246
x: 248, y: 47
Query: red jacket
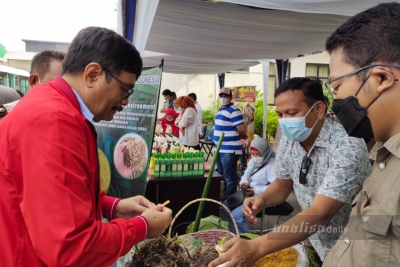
x: 165, y: 122
x: 50, y: 202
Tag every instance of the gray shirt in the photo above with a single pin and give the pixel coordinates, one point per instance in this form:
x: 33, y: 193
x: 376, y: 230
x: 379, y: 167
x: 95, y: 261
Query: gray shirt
x: 339, y: 166
x: 8, y: 95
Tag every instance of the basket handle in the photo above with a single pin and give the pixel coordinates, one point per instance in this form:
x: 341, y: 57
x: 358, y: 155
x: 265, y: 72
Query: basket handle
x: 204, y: 199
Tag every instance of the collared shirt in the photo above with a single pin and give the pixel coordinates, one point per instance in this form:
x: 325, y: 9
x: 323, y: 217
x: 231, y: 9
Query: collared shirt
x: 199, y: 117
x: 339, y: 166
x: 85, y: 110
x: 226, y: 121
x: 373, y: 232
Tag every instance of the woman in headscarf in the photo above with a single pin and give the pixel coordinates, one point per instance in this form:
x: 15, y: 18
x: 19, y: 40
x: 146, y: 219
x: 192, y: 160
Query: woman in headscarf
x: 187, y: 122
x: 169, y: 120
x: 258, y: 175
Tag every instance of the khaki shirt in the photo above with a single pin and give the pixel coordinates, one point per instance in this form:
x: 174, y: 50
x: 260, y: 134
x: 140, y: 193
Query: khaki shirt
x: 373, y: 232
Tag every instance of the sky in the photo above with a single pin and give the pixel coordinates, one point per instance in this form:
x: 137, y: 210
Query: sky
x: 51, y: 20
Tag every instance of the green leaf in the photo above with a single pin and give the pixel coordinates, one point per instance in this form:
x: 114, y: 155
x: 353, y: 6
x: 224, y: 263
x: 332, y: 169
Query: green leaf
x: 248, y: 236
x: 209, y: 223
x: 197, y: 242
x: 178, y: 241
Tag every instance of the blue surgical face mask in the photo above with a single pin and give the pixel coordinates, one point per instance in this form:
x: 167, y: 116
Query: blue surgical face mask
x: 295, y: 129
x: 180, y: 109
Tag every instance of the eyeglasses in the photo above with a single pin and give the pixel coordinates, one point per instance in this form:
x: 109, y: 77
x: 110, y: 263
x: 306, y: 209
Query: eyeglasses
x: 304, y: 170
x: 126, y: 87
x: 328, y: 84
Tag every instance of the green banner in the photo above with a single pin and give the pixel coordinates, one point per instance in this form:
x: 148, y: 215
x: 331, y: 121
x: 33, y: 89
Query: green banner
x: 125, y: 143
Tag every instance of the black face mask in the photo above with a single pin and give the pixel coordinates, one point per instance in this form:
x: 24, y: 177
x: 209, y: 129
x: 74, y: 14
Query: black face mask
x: 353, y: 117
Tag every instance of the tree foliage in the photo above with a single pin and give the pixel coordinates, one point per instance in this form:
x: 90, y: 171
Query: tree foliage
x: 272, y: 118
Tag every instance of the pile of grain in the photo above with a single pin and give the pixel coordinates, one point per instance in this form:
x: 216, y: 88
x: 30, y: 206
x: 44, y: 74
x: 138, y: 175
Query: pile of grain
x: 135, y: 155
x: 287, y: 257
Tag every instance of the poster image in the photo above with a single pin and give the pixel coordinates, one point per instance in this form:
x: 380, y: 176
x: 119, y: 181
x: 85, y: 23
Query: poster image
x: 244, y: 97
x: 124, y: 144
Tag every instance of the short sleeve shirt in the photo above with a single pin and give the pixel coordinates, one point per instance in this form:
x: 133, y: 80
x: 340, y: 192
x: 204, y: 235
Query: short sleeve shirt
x: 339, y: 166
x: 373, y: 232
x: 226, y: 121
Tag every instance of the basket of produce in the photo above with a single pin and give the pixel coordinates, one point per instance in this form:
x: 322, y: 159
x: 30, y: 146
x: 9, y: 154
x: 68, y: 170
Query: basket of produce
x: 189, y: 250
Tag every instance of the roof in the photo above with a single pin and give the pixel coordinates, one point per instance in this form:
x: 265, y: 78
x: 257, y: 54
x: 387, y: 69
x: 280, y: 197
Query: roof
x: 18, y: 55
x: 15, y: 71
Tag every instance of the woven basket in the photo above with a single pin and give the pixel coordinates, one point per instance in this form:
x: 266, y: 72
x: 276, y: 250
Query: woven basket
x: 209, y: 237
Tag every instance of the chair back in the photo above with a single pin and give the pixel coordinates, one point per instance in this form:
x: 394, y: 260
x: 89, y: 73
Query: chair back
x: 282, y: 209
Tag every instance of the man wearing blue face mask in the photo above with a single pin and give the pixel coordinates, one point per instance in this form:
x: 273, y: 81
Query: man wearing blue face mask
x: 325, y: 167
x: 229, y: 120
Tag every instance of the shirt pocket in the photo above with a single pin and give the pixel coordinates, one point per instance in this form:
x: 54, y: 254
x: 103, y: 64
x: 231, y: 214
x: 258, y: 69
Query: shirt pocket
x: 340, y: 248
x: 374, y: 222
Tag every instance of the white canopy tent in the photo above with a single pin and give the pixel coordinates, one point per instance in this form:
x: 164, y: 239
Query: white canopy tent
x: 197, y: 37
x: 216, y: 36
x: 333, y: 7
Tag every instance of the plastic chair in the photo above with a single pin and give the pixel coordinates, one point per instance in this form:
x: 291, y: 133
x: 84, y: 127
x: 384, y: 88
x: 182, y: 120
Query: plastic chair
x: 283, y: 209
x: 204, y: 131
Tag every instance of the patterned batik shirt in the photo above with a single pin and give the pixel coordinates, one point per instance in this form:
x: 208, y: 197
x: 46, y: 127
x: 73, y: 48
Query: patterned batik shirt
x: 339, y: 166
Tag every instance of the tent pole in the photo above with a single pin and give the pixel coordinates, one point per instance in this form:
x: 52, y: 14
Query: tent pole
x: 265, y: 66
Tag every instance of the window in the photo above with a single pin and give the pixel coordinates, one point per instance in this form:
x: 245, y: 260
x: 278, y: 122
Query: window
x: 242, y: 70
x: 320, y: 71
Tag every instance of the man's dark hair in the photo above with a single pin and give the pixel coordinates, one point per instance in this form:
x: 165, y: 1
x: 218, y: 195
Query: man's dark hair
x: 166, y: 92
x: 41, y: 62
x: 372, y: 36
x: 173, y: 95
x: 311, y: 89
x: 193, y: 96
x: 113, y: 52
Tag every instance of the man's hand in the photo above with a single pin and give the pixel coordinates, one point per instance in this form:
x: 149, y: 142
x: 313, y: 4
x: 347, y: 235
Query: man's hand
x: 158, y: 219
x: 130, y: 207
x: 242, y: 130
x: 235, y: 256
x: 244, y: 186
x: 252, y: 206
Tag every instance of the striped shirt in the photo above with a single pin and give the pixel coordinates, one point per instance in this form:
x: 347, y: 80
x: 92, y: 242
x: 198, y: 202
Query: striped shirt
x: 226, y: 121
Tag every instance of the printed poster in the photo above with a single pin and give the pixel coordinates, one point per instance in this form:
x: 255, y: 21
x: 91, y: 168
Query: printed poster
x: 125, y: 143
x: 244, y: 97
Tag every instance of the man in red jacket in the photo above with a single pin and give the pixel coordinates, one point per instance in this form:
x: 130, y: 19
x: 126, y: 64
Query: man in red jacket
x: 51, y: 205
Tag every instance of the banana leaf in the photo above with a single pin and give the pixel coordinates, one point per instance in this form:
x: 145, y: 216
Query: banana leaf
x: 209, y: 223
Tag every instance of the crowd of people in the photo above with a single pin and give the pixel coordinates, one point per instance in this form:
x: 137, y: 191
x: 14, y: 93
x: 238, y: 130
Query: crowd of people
x: 52, y: 207
x: 184, y: 116
x: 327, y: 163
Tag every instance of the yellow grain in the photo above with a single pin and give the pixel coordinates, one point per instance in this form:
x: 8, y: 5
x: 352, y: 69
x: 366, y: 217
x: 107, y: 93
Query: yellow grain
x: 287, y: 257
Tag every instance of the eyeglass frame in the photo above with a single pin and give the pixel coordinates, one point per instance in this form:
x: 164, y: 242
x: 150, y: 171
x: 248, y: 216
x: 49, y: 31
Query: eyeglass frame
x: 328, y: 84
x: 129, y: 91
x: 305, y: 164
